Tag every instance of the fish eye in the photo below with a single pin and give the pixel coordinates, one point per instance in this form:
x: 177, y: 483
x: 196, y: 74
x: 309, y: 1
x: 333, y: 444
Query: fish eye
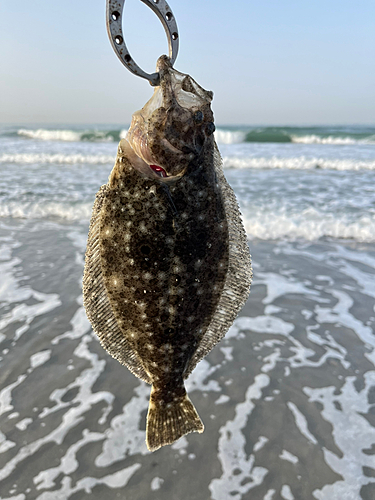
x: 198, y: 117
x: 145, y: 249
x: 210, y: 128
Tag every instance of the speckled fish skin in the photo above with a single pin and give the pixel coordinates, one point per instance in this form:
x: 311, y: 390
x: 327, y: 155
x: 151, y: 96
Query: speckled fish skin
x: 167, y: 263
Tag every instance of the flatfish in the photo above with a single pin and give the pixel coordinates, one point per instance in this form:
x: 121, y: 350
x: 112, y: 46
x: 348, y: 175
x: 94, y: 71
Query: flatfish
x: 167, y: 262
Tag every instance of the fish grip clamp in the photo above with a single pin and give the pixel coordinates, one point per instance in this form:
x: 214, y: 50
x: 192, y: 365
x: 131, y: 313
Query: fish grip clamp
x: 161, y: 8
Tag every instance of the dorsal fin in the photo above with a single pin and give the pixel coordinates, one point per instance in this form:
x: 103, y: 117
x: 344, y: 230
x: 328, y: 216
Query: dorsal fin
x: 238, y: 279
x: 96, y: 302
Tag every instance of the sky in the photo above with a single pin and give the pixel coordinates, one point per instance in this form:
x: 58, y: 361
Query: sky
x: 268, y: 62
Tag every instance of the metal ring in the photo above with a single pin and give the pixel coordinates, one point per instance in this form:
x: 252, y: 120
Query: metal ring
x: 114, y: 27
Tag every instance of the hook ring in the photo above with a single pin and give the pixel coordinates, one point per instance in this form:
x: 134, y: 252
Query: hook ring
x: 114, y: 13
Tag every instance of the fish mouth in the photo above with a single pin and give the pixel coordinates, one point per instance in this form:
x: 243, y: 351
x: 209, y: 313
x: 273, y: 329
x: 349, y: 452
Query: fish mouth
x: 150, y: 168
x: 137, y: 138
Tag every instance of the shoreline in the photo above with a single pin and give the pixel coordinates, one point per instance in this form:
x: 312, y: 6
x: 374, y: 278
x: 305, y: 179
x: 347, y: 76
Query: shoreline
x: 286, y: 395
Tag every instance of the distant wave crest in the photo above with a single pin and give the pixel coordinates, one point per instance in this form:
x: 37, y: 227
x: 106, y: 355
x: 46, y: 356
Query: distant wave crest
x: 280, y: 135
x: 50, y: 135
x: 229, y: 136
x: 222, y: 135
x: 72, y: 135
x: 315, y: 139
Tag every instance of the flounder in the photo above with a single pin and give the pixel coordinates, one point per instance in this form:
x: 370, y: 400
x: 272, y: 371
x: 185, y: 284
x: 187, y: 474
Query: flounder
x: 167, y: 262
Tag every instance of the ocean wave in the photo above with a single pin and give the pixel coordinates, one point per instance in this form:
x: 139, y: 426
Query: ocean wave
x: 223, y: 135
x: 51, y: 210
x: 229, y: 136
x: 280, y: 135
x: 73, y: 135
x: 230, y: 162
x: 297, y: 163
x: 273, y: 227
x: 57, y: 159
x: 284, y: 136
x: 50, y: 135
x: 268, y: 134
x: 315, y: 139
x: 309, y: 225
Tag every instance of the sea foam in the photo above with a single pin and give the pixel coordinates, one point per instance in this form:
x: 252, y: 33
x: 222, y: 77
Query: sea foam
x: 274, y: 226
x: 263, y: 226
x: 315, y: 139
x: 58, y: 159
x: 229, y: 136
x: 58, y: 135
x: 233, y: 162
x: 223, y: 135
x: 51, y: 135
x: 54, y: 210
x: 297, y: 163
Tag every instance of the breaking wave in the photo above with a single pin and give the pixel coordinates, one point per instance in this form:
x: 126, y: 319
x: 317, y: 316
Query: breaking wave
x: 73, y: 135
x: 298, y: 163
x: 294, y: 135
x: 57, y: 159
x: 230, y: 162
x: 229, y: 137
x: 51, y: 210
x: 315, y: 139
x: 271, y: 226
x: 274, y: 227
x: 223, y: 135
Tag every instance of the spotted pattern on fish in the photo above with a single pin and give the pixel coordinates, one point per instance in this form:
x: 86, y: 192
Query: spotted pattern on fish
x: 167, y: 263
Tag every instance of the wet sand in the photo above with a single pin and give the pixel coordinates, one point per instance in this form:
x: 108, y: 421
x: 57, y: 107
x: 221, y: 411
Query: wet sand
x: 287, y: 399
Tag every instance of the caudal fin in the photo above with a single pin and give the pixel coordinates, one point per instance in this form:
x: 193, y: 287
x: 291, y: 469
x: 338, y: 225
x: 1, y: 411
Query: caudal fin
x: 167, y: 422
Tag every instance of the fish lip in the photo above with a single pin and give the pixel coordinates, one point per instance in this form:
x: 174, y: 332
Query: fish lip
x: 137, y: 139
x: 145, y: 167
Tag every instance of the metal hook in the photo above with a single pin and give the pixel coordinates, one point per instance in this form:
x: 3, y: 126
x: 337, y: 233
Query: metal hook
x: 114, y: 27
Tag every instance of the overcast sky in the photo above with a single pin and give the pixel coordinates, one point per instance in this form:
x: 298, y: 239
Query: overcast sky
x: 268, y: 62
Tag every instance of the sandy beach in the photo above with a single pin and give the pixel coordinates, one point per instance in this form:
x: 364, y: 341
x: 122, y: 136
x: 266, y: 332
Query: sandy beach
x: 287, y: 398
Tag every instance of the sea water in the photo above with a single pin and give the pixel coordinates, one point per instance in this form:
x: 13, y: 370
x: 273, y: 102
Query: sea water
x: 287, y: 397
x: 313, y: 182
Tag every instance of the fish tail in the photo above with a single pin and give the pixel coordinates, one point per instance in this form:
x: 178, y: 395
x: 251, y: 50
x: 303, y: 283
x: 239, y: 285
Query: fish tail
x: 168, y: 421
